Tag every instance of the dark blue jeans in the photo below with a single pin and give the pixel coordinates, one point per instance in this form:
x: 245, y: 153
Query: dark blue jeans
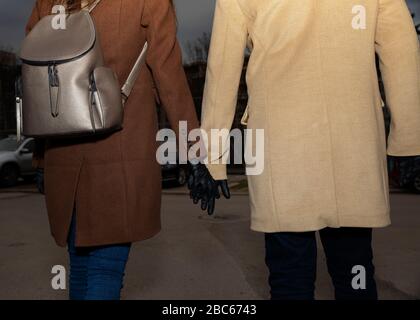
x: 96, y: 273
x: 292, y: 258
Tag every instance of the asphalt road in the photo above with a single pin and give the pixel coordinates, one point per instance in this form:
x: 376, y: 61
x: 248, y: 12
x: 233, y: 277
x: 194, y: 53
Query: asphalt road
x: 195, y: 257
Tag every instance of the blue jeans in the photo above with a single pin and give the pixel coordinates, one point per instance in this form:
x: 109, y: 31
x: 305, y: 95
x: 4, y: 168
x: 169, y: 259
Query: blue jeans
x: 292, y: 258
x: 96, y: 273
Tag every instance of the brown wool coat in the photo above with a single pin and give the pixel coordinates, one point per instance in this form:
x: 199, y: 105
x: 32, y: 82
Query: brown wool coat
x: 114, y: 182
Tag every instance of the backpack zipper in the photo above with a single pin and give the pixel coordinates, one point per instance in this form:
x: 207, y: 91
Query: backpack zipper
x: 56, y: 62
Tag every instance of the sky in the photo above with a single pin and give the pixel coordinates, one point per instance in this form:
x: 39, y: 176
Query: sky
x: 194, y: 17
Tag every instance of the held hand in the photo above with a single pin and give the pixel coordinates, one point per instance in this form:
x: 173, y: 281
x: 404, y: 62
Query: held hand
x: 205, y: 189
x: 39, y: 180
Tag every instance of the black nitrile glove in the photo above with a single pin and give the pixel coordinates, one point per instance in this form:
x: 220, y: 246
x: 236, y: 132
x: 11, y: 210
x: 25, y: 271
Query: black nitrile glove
x: 205, y: 189
x: 39, y: 180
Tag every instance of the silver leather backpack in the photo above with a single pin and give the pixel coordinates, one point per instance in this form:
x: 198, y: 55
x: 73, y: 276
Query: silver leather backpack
x: 67, y: 90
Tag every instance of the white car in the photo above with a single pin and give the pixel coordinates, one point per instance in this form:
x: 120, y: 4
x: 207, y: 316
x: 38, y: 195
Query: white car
x: 15, y: 160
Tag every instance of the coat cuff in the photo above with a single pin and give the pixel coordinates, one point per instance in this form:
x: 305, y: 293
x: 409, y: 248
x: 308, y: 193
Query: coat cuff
x: 217, y: 171
x: 401, y: 152
x: 404, y: 145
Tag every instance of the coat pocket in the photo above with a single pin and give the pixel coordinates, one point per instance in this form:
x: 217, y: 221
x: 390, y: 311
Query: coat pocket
x: 108, y: 105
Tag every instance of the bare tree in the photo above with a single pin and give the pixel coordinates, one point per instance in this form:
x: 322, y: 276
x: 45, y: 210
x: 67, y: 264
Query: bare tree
x: 417, y: 26
x: 7, y: 55
x: 6, y: 48
x: 198, y: 51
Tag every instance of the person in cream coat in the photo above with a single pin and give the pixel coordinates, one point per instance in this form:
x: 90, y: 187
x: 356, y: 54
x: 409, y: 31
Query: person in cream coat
x: 313, y: 88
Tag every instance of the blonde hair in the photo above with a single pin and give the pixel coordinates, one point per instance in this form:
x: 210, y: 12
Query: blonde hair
x: 75, y: 5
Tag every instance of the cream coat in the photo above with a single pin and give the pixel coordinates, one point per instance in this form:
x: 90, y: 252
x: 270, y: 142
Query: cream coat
x: 313, y: 88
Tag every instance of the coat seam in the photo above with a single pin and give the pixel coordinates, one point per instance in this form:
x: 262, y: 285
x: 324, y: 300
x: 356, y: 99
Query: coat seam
x: 267, y: 121
x: 321, y: 66
x: 216, y: 101
x: 74, y: 210
x: 124, y: 175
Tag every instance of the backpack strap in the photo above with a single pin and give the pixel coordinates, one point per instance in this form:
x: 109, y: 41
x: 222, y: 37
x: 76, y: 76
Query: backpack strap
x: 135, y: 71
x: 92, y: 6
x: 134, y: 74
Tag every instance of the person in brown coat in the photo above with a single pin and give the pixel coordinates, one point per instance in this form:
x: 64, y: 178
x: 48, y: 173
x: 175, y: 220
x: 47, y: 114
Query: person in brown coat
x: 104, y: 193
